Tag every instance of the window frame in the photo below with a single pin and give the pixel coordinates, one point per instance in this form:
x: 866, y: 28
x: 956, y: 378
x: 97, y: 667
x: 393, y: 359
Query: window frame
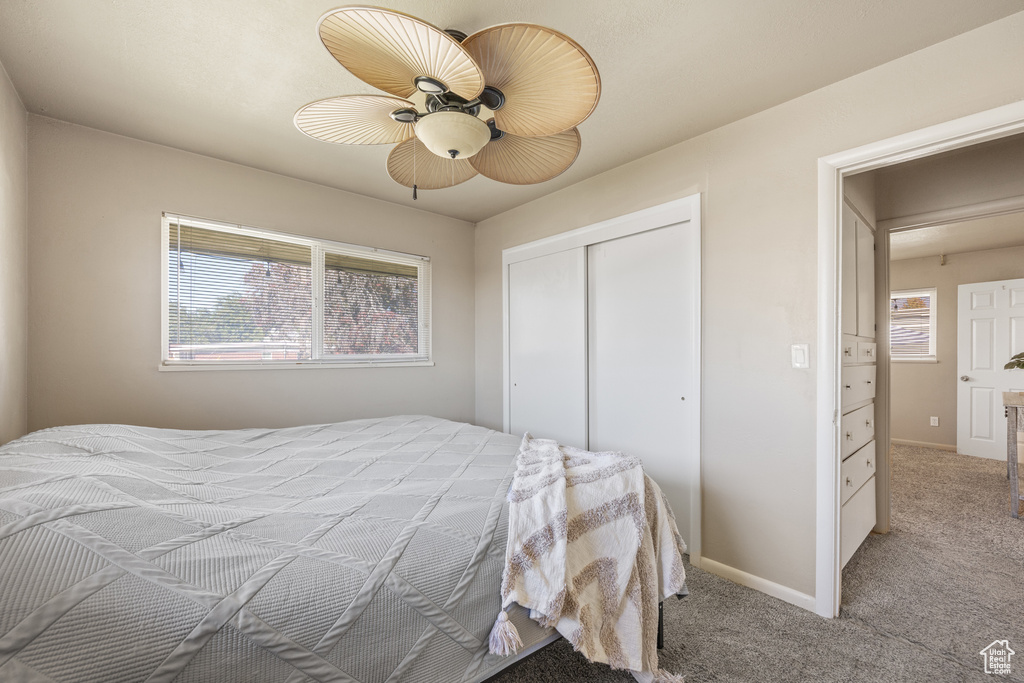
x: 931, y: 356
x: 318, y: 248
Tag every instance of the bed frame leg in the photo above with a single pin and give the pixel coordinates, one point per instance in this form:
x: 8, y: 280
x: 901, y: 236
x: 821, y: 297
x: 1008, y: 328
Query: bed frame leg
x: 661, y: 627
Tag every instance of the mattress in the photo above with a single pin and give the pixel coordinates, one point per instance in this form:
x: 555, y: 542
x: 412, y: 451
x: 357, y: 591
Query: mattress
x: 362, y: 551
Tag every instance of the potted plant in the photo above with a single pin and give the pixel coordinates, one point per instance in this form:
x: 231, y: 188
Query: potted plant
x: 1016, y: 363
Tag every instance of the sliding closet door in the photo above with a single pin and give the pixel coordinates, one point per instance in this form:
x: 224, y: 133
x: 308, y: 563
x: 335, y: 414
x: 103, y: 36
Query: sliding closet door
x: 548, y: 347
x: 640, y: 318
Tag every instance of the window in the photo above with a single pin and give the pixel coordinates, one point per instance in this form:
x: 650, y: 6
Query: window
x: 242, y: 297
x: 912, y: 325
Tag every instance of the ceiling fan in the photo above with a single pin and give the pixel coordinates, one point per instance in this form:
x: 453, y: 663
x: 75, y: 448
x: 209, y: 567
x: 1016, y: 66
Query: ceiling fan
x: 503, y: 102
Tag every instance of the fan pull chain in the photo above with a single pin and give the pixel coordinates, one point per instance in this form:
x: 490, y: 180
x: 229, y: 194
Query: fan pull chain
x: 414, y: 171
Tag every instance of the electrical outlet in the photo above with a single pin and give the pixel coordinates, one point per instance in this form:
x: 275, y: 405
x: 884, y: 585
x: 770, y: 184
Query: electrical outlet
x: 934, y: 421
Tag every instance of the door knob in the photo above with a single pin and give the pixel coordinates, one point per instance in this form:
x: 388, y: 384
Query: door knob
x: 964, y: 378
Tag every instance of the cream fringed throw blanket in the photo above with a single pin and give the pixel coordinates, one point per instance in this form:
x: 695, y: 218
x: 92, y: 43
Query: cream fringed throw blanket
x: 592, y: 549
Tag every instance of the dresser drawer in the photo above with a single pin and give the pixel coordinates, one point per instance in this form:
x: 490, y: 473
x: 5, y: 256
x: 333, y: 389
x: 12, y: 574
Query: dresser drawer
x: 856, y: 470
x: 858, y: 384
x: 866, y: 352
x: 856, y: 519
x: 849, y: 354
x: 856, y: 429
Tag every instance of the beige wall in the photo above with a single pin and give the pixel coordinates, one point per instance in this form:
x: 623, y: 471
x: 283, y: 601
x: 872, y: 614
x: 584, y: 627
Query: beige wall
x: 95, y: 201
x: 13, y: 262
x: 921, y: 390
x: 859, y: 190
x: 968, y: 176
x: 758, y: 177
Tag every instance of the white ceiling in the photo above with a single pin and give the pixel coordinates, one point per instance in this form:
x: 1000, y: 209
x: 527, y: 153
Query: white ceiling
x: 995, y: 232
x: 224, y: 77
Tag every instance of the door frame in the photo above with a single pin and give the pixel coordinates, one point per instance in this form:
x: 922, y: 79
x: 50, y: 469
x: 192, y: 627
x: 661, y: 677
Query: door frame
x: 963, y: 132
x: 683, y: 210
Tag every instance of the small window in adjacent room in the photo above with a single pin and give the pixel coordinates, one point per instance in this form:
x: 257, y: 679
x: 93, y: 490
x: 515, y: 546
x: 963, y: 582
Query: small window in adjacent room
x: 912, y: 325
x: 243, y: 297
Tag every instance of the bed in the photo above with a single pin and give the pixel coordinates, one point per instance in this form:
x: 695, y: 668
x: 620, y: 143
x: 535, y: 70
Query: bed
x: 361, y: 551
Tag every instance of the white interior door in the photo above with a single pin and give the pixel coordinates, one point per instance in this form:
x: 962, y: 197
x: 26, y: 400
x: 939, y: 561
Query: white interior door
x: 990, y: 329
x: 640, y: 306
x: 547, y: 347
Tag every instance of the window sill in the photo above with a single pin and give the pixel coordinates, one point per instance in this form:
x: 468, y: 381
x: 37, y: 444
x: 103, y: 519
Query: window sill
x: 303, y: 365
x: 921, y: 359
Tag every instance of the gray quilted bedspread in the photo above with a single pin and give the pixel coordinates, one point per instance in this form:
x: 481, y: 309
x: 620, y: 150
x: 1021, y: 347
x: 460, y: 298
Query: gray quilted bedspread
x: 361, y: 551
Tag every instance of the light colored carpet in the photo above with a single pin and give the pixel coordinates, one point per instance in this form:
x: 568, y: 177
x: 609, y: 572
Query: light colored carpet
x: 919, y: 603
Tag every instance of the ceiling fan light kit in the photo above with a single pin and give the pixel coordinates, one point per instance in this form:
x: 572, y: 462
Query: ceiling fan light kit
x: 454, y: 134
x: 503, y: 102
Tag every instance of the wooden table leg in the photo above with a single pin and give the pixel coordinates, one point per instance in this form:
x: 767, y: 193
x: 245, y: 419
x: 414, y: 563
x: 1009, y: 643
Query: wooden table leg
x: 1011, y: 460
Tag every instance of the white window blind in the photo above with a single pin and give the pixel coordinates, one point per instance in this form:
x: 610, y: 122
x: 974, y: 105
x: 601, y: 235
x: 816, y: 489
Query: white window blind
x: 241, y: 296
x: 370, y: 307
x: 912, y: 324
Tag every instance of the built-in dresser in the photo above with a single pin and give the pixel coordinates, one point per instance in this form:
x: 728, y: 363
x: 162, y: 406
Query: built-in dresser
x: 859, y: 353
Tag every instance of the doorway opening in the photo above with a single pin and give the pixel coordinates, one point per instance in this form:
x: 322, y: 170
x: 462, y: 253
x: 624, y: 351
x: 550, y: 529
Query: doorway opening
x: 834, y: 174
x: 954, y: 293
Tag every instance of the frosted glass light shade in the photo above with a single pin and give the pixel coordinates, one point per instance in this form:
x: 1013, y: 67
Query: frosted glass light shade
x: 445, y: 132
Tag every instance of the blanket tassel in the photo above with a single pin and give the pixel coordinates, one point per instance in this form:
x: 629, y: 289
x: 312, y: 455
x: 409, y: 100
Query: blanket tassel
x: 504, y: 640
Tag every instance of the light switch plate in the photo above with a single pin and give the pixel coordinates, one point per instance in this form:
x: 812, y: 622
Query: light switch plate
x: 801, y: 354
x: 934, y: 421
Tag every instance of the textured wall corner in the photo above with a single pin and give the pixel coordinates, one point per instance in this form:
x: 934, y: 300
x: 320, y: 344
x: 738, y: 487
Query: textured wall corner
x: 13, y: 262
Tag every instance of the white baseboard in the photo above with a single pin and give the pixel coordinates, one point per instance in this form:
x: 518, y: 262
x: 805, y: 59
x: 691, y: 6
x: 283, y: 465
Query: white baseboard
x: 1001, y: 458
x: 923, y: 444
x: 776, y: 590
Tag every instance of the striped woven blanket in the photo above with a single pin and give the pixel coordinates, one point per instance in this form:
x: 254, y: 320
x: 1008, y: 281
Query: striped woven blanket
x: 592, y: 550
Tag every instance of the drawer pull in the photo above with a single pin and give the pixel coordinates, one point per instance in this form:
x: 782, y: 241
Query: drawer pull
x: 848, y: 386
x: 848, y: 351
x: 849, y: 436
x: 868, y: 381
x: 849, y: 482
x: 869, y: 463
x: 867, y: 423
x: 868, y: 352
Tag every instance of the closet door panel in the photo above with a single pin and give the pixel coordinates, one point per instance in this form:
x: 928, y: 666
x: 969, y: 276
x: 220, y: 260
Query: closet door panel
x: 639, y: 329
x: 548, y: 347
x: 865, y: 281
x: 849, y: 271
